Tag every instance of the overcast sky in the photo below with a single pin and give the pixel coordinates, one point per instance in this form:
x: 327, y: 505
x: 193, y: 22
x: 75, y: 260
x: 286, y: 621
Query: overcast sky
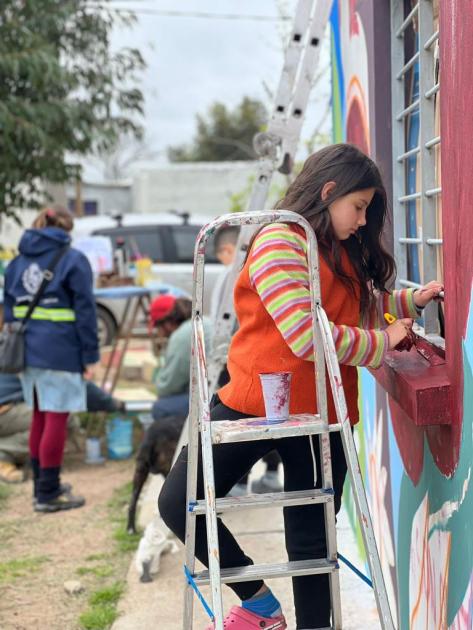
x: 194, y: 61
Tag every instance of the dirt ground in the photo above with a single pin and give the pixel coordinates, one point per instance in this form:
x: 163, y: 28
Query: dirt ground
x: 38, y: 553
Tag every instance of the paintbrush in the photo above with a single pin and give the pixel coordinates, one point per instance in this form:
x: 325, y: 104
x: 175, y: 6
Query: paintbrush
x: 423, y: 347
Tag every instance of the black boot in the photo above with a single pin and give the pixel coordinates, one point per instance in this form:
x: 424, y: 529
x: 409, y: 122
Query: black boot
x: 35, y: 469
x: 51, y: 496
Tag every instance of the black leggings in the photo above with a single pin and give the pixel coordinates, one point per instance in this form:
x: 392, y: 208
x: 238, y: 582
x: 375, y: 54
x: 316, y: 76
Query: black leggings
x: 304, y: 525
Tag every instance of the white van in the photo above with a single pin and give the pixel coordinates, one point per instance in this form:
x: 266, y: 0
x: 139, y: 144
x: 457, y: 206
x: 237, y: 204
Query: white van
x: 167, y: 238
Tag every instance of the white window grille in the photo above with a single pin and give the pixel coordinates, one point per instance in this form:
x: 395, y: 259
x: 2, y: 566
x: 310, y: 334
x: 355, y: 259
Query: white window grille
x: 416, y: 149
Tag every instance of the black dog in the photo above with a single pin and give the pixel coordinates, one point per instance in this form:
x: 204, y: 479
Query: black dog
x: 154, y: 456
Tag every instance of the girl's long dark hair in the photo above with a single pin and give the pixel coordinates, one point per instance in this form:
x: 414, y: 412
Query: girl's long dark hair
x: 351, y: 170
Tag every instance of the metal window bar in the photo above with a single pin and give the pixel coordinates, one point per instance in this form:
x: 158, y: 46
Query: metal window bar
x: 432, y: 143
x: 410, y: 240
x: 422, y: 14
x: 407, y: 21
x: 408, y: 154
x: 433, y: 90
x: 432, y: 39
x: 413, y: 60
x: 408, y: 110
x: 410, y: 197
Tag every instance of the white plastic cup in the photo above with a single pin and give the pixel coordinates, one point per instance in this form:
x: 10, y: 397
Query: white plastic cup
x: 276, y: 392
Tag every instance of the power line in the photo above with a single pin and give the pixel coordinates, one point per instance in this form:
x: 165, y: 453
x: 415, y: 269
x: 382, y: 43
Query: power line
x: 193, y: 14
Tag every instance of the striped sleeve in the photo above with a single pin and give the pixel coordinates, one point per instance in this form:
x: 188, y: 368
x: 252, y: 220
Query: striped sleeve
x: 398, y: 303
x: 279, y: 274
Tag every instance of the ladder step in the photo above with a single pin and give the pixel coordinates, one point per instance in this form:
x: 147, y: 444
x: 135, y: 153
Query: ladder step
x: 269, y: 499
x: 250, y: 429
x: 268, y: 571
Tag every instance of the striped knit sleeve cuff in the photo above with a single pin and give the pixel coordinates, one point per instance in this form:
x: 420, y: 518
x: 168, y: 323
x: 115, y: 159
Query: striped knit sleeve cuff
x: 413, y: 310
x: 400, y: 303
x: 381, y: 347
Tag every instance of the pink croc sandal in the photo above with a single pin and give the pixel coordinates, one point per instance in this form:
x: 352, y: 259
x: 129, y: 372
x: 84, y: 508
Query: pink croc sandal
x: 240, y: 619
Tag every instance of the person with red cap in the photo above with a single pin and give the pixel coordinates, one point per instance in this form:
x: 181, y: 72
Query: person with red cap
x: 171, y: 317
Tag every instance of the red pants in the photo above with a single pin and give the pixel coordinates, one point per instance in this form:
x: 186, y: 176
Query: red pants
x: 48, y: 437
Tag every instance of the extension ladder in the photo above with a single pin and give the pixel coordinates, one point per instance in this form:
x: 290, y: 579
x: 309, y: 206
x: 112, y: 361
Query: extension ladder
x: 225, y: 431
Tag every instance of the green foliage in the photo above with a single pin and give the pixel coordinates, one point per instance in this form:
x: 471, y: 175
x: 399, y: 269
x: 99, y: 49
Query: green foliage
x: 93, y: 423
x: 125, y: 542
x: 224, y: 134
x: 62, y: 92
x: 20, y: 568
x: 100, y: 571
x: 102, y: 610
x: 106, y: 596
x: 98, y: 618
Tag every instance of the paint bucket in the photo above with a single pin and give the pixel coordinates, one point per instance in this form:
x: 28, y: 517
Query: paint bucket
x: 276, y: 392
x: 92, y: 451
x: 119, y: 438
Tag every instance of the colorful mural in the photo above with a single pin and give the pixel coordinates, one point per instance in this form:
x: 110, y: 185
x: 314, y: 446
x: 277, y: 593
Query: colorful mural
x: 419, y: 480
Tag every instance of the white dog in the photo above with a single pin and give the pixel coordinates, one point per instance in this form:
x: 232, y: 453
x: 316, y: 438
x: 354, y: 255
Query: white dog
x: 155, y: 541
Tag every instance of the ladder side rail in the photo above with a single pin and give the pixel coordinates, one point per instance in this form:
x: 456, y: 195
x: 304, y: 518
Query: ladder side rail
x: 355, y: 476
x: 191, y: 428
x: 306, y: 77
x: 201, y: 422
x: 287, y: 87
x: 209, y: 476
x: 324, y: 438
x: 293, y: 56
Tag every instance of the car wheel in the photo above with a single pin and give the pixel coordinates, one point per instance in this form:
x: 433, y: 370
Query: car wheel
x: 106, y: 326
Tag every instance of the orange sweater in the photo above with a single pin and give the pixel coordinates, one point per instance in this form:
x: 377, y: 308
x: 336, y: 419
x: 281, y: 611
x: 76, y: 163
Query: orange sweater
x: 258, y: 347
x: 272, y: 304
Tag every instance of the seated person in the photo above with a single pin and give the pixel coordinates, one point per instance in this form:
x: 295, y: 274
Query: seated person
x: 15, y: 420
x: 171, y: 317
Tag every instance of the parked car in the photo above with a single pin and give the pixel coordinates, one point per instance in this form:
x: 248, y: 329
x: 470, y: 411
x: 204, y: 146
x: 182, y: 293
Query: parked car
x: 167, y: 238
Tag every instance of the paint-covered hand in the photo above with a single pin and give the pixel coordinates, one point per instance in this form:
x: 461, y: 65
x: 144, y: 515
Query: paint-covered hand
x: 400, y: 334
x: 427, y: 293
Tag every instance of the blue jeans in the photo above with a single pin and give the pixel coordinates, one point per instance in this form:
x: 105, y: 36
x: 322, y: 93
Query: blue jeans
x: 177, y: 405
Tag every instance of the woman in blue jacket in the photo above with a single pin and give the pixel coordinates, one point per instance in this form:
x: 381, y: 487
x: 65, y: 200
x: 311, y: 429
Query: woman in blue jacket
x: 61, y: 345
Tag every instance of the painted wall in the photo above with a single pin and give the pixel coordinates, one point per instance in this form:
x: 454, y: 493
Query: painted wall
x: 419, y: 480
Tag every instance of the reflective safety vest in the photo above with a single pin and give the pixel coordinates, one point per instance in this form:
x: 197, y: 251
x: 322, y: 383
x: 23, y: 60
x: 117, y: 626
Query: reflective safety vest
x: 46, y: 314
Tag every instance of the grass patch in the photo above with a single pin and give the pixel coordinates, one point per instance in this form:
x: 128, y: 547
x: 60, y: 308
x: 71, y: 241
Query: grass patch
x: 5, y: 492
x: 100, y: 572
x: 126, y: 542
x: 119, y: 501
x: 20, y: 568
x: 118, y: 505
x: 102, y: 612
x: 98, y: 556
x: 98, y: 618
x: 106, y: 596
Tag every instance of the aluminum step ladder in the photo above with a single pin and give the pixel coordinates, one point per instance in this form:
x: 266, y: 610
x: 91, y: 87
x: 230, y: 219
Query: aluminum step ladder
x: 225, y: 431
